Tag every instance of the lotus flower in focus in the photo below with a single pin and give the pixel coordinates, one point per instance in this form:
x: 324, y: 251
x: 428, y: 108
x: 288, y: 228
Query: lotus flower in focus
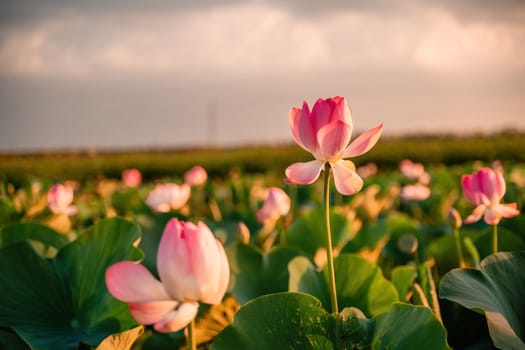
x: 59, y: 199
x: 166, y: 197
x: 192, y: 267
x: 131, y: 177
x: 326, y: 132
x: 485, y: 189
x: 277, y: 204
x: 196, y: 176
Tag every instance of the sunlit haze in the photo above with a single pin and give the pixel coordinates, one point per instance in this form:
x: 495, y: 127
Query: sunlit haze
x: 135, y: 74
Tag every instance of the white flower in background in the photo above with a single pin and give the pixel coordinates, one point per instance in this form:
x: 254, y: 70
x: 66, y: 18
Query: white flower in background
x: 166, y: 197
x: 59, y: 199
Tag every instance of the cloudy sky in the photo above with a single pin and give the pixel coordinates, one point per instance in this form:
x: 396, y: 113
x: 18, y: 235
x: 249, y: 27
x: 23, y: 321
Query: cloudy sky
x: 160, y: 73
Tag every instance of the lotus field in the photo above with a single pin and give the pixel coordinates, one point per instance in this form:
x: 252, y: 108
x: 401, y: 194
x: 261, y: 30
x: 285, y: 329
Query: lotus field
x: 333, y: 253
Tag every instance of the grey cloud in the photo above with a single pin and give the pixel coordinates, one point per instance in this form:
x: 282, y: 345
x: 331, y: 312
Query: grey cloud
x: 465, y: 10
x: 22, y: 11
x: 13, y: 11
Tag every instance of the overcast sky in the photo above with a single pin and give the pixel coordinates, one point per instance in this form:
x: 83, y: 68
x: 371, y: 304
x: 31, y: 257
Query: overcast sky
x: 139, y: 73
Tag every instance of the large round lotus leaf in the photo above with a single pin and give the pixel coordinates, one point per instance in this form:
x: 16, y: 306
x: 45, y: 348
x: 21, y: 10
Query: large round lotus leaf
x: 403, y: 277
x: 254, y: 273
x: 33, y: 232
x: 359, y: 283
x: 279, y: 321
x: 298, y: 321
x: 496, y: 289
x: 403, y: 327
x: 56, y: 304
x: 409, y: 327
x: 308, y: 232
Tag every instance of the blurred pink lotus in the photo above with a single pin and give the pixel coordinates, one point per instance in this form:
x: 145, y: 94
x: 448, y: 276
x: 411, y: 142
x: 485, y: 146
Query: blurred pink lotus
x: 196, y: 176
x: 277, y: 204
x: 192, y: 267
x: 415, y: 171
x: 59, y: 199
x: 326, y: 133
x: 169, y: 196
x: 417, y: 192
x: 367, y: 170
x: 131, y: 177
x: 485, y: 188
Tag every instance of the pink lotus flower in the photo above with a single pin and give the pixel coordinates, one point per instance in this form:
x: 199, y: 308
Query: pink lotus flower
x: 192, y: 267
x: 485, y: 188
x: 131, y: 177
x: 417, y: 192
x: 367, y: 170
x: 166, y: 197
x: 326, y: 132
x: 277, y: 204
x: 59, y: 199
x: 196, y: 176
x: 413, y: 170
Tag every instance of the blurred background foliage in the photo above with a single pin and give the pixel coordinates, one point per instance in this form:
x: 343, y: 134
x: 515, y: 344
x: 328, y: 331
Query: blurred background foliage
x: 219, y: 162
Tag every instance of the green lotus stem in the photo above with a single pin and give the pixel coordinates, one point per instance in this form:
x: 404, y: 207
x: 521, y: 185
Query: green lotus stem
x: 192, y: 344
x: 473, y: 251
x: 495, y: 238
x: 459, y: 248
x: 329, y: 251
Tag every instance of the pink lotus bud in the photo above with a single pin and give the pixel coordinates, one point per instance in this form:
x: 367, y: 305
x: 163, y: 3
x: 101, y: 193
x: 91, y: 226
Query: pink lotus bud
x: 485, y: 189
x: 277, y: 204
x: 131, y: 177
x: 166, y: 197
x: 326, y: 133
x: 417, y: 192
x: 196, y: 176
x: 192, y: 266
x: 192, y: 263
x: 59, y: 199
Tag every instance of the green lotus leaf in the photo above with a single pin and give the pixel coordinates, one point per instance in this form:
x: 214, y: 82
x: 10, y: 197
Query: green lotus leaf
x: 279, y: 321
x: 368, y: 237
x: 359, y: 283
x: 41, y: 236
x: 307, y: 233
x: 298, y: 321
x: 403, y: 277
x: 403, y: 327
x: 409, y: 327
x: 255, y: 273
x: 497, y: 289
x: 56, y: 304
